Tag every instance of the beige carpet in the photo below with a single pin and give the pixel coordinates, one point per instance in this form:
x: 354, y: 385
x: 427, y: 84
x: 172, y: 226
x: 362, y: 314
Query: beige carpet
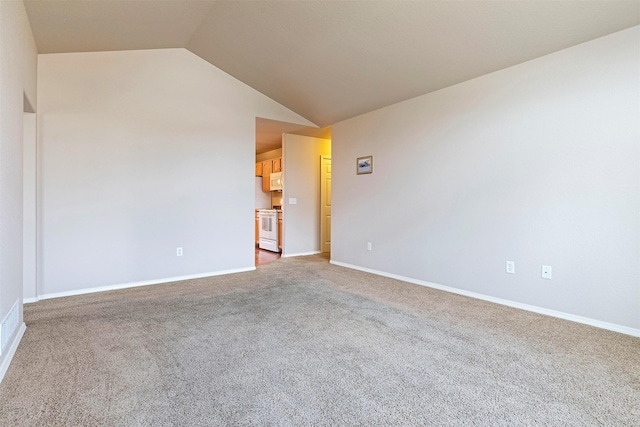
x: 300, y: 342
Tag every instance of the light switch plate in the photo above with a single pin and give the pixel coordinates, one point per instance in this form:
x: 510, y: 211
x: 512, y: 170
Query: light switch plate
x: 293, y: 201
x: 546, y: 272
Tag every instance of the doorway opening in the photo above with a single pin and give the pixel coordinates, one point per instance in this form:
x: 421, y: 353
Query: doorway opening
x: 288, y: 182
x: 29, y: 203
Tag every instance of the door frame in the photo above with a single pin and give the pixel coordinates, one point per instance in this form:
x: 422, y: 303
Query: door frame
x: 324, y: 246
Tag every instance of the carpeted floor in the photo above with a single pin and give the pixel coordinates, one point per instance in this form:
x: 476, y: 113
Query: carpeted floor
x: 300, y: 342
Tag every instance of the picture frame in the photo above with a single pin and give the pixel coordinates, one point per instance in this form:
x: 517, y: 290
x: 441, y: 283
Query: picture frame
x: 364, y: 165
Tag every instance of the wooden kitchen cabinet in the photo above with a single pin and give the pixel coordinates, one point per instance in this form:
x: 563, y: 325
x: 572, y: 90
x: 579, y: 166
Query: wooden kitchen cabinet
x: 266, y: 168
x: 276, y: 165
x: 266, y: 172
x: 280, y: 231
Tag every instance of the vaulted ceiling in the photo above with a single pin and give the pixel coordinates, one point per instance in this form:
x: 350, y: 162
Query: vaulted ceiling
x: 332, y: 60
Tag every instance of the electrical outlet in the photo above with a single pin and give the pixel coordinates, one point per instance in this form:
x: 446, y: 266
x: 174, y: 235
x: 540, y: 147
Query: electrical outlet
x: 293, y: 201
x: 546, y: 272
x: 510, y: 267
x: 368, y: 246
x: 178, y: 251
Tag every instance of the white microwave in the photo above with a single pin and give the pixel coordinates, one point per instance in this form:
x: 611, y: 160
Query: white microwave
x: 275, y: 183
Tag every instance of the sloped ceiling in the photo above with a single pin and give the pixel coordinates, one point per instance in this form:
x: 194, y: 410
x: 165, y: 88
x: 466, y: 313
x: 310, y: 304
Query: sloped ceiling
x: 332, y: 60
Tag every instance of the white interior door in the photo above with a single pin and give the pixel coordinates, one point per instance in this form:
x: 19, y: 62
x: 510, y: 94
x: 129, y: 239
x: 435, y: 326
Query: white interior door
x: 325, y: 203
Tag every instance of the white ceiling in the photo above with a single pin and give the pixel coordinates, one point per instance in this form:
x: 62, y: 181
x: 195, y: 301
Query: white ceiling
x: 269, y: 133
x: 332, y: 60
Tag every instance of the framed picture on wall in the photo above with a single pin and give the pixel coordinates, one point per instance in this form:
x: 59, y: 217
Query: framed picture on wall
x: 364, y: 164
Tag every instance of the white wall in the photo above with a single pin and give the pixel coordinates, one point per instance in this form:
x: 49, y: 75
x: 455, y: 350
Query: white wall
x: 144, y: 152
x: 262, y: 198
x: 538, y: 163
x: 301, y: 156
x: 18, y: 60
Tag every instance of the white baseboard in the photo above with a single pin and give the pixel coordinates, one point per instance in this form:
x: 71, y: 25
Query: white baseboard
x: 11, y: 351
x: 535, y: 309
x: 29, y: 300
x: 301, y: 254
x: 138, y: 284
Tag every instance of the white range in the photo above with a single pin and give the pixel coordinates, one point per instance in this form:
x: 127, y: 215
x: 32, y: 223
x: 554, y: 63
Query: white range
x: 268, y: 234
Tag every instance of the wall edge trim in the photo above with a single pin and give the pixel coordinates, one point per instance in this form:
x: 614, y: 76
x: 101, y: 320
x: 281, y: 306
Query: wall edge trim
x: 301, y: 254
x: 142, y: 283
x: 12, y: 350
x: 514, y: 304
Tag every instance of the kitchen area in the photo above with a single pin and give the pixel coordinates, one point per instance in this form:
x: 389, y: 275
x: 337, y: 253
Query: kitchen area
x: 268, y: 212
x: 288, y: 164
